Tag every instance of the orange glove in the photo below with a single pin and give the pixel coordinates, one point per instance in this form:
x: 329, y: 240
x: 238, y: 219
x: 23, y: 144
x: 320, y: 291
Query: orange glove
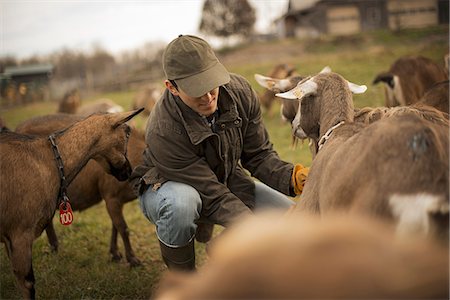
x: 299, y: 175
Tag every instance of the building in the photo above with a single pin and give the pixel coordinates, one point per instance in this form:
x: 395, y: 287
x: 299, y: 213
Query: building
x: 24, y: 84
x: 309, y: 18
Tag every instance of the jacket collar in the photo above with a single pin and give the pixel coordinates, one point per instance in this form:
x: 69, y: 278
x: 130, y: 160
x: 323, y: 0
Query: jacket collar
x: 196, y: 128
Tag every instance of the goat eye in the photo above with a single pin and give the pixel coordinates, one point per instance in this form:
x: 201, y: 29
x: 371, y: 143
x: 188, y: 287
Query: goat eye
x: 127, y: 130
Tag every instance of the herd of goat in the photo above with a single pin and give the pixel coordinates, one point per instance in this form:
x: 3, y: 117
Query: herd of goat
x: 387, y: 167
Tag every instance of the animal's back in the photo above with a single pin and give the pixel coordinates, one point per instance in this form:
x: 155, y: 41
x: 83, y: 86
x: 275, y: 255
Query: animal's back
x: 438, y: 96
x: 402, y: 155
x: 44, y: 125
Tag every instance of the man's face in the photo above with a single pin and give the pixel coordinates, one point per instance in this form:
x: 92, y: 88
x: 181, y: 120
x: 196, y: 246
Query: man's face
x: 205, y: 105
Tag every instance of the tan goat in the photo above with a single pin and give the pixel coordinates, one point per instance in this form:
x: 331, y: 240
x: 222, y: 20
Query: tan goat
x: 372, y: 168
x: 409, y: 78
x: 37, y: 170
x: 276, y: 257
x: 93, y: 183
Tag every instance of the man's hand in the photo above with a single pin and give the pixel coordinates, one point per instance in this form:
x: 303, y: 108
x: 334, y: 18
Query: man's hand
x: 299, y: 175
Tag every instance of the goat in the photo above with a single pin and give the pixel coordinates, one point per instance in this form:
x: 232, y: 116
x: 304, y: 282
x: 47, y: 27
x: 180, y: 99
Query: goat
x: 93, y: 183
x: 436, y: 97
x: 409, y: 78
x: 288, y: 108
x: 100, y: 105
x: 271, y: 256
x: 70, y: 102
x: 280, y: 71
x: 369, y: 168
x: 147, y: 98
x: 36, y: 182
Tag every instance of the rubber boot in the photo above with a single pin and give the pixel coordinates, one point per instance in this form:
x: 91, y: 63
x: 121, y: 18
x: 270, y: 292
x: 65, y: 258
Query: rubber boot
x: 180, y: 258
x: 204, y: 232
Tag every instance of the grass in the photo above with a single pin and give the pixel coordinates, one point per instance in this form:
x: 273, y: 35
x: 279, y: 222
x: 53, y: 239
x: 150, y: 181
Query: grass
x: 82, y: 269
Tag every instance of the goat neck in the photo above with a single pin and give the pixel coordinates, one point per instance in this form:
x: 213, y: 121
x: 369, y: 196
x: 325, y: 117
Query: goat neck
x: 335, y: 100
x: 79, y: 143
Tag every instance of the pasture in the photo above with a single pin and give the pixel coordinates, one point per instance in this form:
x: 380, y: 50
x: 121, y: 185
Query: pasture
x: 82, y: 268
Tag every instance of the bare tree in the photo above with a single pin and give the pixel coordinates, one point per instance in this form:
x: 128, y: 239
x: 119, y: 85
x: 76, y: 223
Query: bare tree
x: 225, y: 18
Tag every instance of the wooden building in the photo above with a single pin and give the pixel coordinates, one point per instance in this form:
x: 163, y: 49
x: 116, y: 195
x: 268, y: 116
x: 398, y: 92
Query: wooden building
x: 343, y: 17
x: 24, y: 84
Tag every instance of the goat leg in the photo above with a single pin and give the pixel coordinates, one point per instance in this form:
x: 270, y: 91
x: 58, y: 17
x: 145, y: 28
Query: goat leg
x: 21, y: 262
x: 113, y: 249
x: 119, y: 225
x: 51, y: 236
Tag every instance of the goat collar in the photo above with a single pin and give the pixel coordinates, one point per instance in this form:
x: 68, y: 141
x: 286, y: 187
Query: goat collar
x: 62, y: 195
x: 327, y: 135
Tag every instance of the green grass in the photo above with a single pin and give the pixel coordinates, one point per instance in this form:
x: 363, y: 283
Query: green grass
x: 82, y: 269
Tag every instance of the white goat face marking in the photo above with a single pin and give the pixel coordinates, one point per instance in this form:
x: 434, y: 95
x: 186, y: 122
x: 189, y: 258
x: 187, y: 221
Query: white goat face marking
x: 303, y: 88
x: 398, y: 93
x: 412, y: 212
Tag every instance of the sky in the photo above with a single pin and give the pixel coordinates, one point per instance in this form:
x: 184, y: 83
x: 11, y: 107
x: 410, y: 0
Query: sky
x: 29, y: 27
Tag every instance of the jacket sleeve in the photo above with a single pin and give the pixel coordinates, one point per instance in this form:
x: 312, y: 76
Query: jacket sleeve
x: 177, y: 159
x: 258, y: 155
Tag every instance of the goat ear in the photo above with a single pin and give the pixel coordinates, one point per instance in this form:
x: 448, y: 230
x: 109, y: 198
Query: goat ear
x: 326, y: 69
x: 356, y: 89
x: 303, y: 89
x: 273, y: 84
x: 264, y: 81
x: 126, y: 116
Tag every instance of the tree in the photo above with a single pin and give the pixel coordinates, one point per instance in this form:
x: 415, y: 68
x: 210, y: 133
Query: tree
x: 225, y: 18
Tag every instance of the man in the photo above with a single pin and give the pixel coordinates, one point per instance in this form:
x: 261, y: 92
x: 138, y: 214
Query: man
x: 200, y: 136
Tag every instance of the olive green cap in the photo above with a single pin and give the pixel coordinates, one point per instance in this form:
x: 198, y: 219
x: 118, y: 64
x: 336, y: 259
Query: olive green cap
x: 191, y: 63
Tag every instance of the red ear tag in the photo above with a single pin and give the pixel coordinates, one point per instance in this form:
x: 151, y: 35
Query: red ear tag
x: 65, y: 213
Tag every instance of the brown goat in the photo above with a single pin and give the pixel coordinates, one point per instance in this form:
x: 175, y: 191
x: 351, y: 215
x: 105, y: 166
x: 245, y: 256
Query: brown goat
x: 372, y: 168
x: 93, y: 183
x: 276, y: 257
x: 70, y: 102
x: 409, y: 78
x: 31, y: 191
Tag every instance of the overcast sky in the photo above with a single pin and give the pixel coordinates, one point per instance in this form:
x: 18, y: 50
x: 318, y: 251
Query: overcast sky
x: 41, y: 27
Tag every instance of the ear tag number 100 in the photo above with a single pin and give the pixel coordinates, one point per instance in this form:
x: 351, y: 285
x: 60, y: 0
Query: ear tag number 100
x: 65, y: 213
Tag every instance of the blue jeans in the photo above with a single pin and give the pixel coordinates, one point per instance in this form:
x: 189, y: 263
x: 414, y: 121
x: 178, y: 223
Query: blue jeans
x: 175, y: 207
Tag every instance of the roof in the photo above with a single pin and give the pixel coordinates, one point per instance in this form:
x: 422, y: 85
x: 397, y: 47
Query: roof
x: 300, y: 5
x: 28, y: 70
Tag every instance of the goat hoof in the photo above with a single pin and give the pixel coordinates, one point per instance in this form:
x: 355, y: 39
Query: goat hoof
x: 134, y: 262
x: 116, y: 257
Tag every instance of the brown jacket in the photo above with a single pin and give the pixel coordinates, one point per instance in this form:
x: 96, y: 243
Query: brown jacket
x: 182, y: 147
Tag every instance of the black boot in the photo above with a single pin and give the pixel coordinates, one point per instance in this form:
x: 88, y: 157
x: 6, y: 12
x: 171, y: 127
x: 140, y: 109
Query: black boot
x: 180, y: 258
x: 204, y: 232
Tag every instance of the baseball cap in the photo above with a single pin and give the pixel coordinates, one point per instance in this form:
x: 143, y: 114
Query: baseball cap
x: 192, y: 64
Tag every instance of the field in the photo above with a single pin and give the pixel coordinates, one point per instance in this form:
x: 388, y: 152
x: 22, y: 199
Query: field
x: 82, y: 269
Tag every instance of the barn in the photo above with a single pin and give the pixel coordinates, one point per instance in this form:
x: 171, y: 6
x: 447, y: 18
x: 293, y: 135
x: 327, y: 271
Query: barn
x: 311, y: 18
x: 23, y: 84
